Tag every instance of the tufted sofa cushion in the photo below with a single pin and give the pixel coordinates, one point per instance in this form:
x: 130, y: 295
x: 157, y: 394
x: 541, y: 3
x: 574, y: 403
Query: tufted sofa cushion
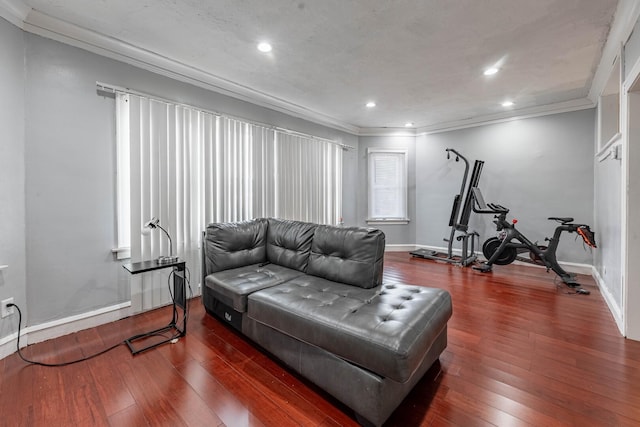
x: 232, y: 286
x: 237, y: 244
x: 386, y: 330
x: 351, y: 255
x: 289, y: 243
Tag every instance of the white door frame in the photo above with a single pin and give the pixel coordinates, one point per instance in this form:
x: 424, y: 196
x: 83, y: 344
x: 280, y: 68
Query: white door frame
x: 630, y: 116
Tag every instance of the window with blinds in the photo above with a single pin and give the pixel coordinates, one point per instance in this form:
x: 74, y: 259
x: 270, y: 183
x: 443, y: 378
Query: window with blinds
x: 387, y: 186
x: 190, y: 167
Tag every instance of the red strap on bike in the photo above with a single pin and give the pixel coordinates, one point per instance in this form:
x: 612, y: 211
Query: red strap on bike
x: 587, y: 235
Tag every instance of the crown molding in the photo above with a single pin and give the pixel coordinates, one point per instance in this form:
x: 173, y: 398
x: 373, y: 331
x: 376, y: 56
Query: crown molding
x: 624, y: 20
x: 387, y: 131
x: 14, y: 11
x: 45, y: 25
x: 525, y: 113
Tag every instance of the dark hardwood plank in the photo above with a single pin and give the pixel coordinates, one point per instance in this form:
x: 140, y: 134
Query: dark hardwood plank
x: 131, y: 416
x: 264, y: 407
x: 16, y: 392
x: 223, y: 402
x: 152, y: 401
x: 522, y: 351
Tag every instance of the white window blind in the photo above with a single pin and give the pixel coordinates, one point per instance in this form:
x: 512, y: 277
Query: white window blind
x: 387, y: 185
x: 189, y: 168
x: 308, y: 179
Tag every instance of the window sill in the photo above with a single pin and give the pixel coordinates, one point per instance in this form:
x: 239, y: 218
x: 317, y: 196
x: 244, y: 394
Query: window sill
x: 384, y: 221
x: 122, y: 253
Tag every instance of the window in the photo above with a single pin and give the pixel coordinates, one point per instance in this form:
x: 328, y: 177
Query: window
x: 308, y: 179
x: 190, y: 167
x: 387, y: 174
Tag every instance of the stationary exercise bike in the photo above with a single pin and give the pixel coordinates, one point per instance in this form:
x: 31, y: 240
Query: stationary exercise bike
x: 504, y: 248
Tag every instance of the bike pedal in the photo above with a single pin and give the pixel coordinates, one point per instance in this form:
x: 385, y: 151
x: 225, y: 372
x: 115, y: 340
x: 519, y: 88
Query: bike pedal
x: 483, y: 268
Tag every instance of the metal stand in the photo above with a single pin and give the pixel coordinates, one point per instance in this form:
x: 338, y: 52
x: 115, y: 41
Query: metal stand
x: 459, y: 225
x: 179, y: 302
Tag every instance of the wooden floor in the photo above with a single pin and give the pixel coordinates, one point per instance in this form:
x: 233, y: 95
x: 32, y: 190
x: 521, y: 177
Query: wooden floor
x: 521, y: 352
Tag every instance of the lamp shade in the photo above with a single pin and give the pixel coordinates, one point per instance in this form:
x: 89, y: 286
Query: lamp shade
x: 150, y: 225
x: 154, y: 223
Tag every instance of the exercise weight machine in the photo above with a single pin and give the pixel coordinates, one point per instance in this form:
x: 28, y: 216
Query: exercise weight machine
x: 509, y: 242
x: 459, y: 219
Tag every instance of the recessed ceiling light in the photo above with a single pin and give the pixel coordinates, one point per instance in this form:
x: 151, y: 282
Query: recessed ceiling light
x: 507, y: 104
x: 370, y: 104
x: 408, y: 124
x: 491, y: 71
x: 264, y: 47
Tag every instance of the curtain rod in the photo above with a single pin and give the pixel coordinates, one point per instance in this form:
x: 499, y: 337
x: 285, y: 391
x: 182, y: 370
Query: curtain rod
x: 105, y: 87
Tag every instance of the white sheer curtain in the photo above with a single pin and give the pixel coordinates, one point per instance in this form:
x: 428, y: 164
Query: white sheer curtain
x: 189, y: 167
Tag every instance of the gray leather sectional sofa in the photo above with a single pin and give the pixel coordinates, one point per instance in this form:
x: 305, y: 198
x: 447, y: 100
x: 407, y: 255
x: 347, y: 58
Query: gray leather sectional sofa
x: 312, y: 295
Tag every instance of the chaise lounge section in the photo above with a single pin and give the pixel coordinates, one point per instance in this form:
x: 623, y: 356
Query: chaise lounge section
x: 312, y: 295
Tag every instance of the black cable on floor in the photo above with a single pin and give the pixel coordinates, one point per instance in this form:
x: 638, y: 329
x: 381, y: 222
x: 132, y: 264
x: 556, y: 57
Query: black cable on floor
x: 51, y: 365
x: 185, y: 318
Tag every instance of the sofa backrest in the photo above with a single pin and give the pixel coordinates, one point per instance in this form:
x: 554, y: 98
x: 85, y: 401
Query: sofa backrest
x: 289, y: 243
x: 351, y: 255
x: 234, y: 244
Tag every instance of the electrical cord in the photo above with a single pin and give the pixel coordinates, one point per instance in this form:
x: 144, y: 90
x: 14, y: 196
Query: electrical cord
x: 185, y: 314
x: 52, y: 365
x: 185, y: 318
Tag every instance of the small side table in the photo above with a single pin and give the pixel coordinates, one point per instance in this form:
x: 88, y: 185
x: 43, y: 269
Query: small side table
x: 179, y: 302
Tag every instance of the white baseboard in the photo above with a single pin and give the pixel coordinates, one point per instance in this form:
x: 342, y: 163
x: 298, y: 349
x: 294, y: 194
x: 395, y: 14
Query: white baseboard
x: 574, y: 267
x: 571, y: 267
x: 399, y: 248
x: 8, y: 345
x: 614, y: 308
x: 57, y: 328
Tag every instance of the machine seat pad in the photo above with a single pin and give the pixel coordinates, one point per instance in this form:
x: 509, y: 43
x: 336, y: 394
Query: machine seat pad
x: 562, y: 219
x: 387, y: 329
x: 235, y: 284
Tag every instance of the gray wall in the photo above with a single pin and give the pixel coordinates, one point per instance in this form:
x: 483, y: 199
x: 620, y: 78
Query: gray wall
x: 537, y: 167
x: 70, y: 172
x: 68, y: 176
x: 395, y: 234
x: 12, y: 172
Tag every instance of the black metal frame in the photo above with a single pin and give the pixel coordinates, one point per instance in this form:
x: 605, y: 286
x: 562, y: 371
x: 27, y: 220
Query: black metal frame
x: 459, y: 220
x: 514, y: 240
x: 179, y: 301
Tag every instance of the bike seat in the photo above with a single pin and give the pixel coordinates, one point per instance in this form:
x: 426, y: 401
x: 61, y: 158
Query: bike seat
x: 562, y: 219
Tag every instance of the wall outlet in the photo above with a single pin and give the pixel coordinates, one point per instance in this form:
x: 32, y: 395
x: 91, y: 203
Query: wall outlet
x: 6, y: 311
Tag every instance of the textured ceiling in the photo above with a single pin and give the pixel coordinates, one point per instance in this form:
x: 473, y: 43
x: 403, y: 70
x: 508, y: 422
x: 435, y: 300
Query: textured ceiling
x: 421, y: 61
